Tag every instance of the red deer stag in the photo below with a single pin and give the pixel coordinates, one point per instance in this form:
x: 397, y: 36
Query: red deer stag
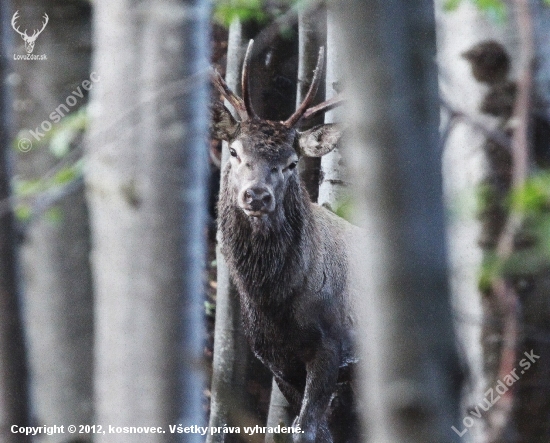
x: 289, y: 259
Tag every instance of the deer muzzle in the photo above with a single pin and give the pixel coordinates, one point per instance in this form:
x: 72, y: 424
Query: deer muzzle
x: 257, y: 201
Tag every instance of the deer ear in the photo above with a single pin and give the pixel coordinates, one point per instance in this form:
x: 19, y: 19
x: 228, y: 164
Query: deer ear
x: 320, y: 140
x: 222, y: 124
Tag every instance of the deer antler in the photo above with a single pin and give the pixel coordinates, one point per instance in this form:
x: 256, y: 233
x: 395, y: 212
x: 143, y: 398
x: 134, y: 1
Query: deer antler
x: 244, y: 108
x: 229, y: 95
x: 298, y: 114
x: 323, y: 107
x: 16, y: 28
x: 244, y: 82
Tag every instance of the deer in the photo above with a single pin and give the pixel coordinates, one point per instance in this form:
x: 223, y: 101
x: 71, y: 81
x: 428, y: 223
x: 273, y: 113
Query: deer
x: 289, y: 258
x: 29, y: 40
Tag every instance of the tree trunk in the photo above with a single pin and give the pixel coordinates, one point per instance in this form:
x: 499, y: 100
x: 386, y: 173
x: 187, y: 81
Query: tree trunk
x: 332, y: 183
x: 311, y: 36
x: 464, y: 168
x: 410, y: 376
x: 521, y: 415
x: 229, y: 369
x: 146, y: 187
x: 530, y: 411
x: 13, y: 365
x: 55, y: 254
x: 231, y: 403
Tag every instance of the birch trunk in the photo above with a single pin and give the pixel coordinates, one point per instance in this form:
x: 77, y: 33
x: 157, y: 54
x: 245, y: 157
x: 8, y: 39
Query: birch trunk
x: 521, y: 414
x: 146, y: 191
x: 231, y: 351
x: 464, y: 168
x: 332, y: 183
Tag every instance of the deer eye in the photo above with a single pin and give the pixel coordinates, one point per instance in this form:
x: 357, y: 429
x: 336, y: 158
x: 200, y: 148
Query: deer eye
x: 233, y: 152
x: 292, y: 165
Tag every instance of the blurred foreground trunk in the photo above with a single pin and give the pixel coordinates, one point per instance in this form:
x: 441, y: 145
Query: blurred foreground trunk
x: 55, y: 251
x: 13, y: 365
x: 147, y: 194
x: 410, y: 374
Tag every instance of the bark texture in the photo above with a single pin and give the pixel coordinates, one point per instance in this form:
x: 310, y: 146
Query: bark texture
x: 146, y: 188
x: 410, y: 373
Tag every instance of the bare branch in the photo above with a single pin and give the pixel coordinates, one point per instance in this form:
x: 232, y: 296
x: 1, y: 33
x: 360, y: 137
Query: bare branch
x: 495, y: 135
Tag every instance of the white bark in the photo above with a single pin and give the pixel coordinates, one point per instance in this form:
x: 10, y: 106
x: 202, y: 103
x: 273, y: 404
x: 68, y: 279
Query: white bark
x: 332, y: 187
x: 463, y: 170
x: 145, y: 177
x: 230, y: 346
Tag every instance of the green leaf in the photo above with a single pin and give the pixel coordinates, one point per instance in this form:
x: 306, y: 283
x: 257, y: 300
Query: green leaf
x: 451, y: 5
x: 491, y: 269
x: 65, y: 175
x: 226, y: 11
x: 23, y: 212
x: 60, y: 142
x: 344, y: 207
x: 66, y: 131
x: 546, y: 2
x: 209, y: 308
x: 25, y: 188
x: 495, y: 9
x: 54, y: 215
x: 534, y: 197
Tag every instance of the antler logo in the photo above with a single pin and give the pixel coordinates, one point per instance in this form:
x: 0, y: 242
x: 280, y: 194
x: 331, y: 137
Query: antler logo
x: 29, y: 40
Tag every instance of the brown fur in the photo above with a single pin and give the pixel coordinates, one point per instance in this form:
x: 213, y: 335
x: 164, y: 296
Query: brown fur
x: 291, y: 268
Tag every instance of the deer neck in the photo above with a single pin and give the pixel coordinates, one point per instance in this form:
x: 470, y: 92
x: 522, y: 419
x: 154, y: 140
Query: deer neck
x: 261, y: 254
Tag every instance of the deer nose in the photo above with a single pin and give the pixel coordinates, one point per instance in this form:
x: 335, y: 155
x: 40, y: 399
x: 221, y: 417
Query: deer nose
x: 257, y: 198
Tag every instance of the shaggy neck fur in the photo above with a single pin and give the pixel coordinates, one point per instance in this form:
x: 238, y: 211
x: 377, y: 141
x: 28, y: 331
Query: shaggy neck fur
x: 264, y: 254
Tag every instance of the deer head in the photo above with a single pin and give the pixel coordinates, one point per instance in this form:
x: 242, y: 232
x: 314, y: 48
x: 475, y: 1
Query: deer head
x: 264, y: 153
x: 29, y: 40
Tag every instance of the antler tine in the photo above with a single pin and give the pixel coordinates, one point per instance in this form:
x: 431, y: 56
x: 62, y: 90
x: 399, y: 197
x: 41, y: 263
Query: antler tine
x: 294, y: 118
x: 323, y: 107
x: 245, y: 82
x: 231, y: 97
